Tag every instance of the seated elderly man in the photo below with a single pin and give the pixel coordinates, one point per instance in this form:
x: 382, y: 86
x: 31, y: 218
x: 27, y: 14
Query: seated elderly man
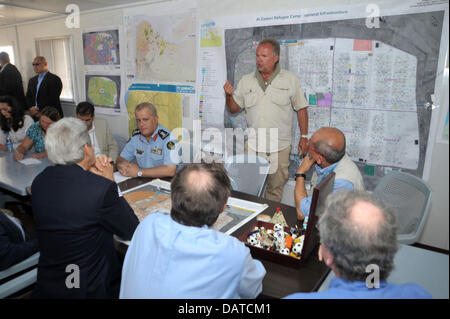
x: 155, y: 152
x: 326, y: 150
x: 359, y: 242
x: 77, y: 211
x: 181, y: 255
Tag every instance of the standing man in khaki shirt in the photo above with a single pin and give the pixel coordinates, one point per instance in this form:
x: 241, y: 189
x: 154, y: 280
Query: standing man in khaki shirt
x: 270, y: 96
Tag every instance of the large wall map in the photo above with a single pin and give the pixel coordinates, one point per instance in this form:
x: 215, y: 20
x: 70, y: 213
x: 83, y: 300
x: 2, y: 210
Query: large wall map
x: 371, y: 83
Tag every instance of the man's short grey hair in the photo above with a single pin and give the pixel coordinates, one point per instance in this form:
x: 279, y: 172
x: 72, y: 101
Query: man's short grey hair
x: 150, y: 106
x: 354, y: 248
x: 331, y: 155
x: 275, y: 45
x: 4, y: 57
x: 65, y: 140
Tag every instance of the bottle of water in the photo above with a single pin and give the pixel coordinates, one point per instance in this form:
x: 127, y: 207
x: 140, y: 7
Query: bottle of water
x: 9, y: 143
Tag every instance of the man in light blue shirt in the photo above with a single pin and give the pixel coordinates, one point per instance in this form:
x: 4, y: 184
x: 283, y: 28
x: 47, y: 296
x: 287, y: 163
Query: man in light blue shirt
x: 181, y: 256
x: 326, y: 153
x: 153, y: 149
x: 359, y: 242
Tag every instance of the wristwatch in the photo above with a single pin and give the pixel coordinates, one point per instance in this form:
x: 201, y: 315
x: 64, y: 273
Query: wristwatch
x: 300, y: 175
x: 304, y: 136
x: 139, y: 174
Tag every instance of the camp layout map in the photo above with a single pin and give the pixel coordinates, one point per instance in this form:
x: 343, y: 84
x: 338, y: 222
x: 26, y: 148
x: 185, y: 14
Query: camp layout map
x: 150, y: 199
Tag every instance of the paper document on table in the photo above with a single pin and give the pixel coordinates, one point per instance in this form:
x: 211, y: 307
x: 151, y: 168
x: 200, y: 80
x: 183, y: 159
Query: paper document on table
x: 237, y: 213
x: 119, y: 177
x: 30, y: 161
x: 160, y: 184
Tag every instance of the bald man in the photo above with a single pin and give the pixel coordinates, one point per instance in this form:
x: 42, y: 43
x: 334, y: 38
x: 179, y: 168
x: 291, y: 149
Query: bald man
x: 359, y: 243
x: 326, y: 152
x: 182, y: 256
x: 43, y: 89
x: 11, y: 80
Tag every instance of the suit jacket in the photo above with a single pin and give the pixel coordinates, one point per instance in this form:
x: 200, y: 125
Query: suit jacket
x: 13, y: 248
x: 49, y: 92
x: 105, y: 139
x: 11, y: 84
x: 76, y: 214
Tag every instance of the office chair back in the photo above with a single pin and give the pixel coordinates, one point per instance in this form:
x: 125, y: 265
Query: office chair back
x: 248, y: 173
x: 410, y: 196
x: 121, y: 141
x: 15, y: 284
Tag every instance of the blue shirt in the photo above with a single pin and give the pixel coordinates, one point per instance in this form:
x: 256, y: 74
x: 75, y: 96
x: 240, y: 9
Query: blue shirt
x: 342, y: 289
x: 169, y: 260
x: 40, y: 78
x: 160, y: 150
x: 305, y: 203
x: 35, y: 134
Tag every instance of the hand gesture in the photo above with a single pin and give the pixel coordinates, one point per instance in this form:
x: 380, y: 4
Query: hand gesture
x: 228, y: 88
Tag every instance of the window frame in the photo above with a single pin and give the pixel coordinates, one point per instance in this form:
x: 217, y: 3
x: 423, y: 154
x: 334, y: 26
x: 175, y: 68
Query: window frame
x: 71, y: 62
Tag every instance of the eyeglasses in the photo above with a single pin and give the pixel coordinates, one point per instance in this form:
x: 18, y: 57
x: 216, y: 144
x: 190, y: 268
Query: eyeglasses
x: 35, y: 64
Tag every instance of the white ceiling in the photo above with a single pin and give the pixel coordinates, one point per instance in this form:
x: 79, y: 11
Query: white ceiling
x: 19, y: 11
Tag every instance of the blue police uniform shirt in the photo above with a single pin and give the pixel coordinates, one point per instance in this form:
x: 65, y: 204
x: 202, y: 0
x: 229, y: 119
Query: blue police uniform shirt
x: 159, y: 150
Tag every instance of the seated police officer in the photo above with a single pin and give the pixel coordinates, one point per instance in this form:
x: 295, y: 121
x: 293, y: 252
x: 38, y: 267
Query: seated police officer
x: 155, y: 152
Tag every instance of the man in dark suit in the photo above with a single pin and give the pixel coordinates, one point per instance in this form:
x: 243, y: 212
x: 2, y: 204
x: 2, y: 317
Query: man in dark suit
x: 14, y: 246
x: 43, y: 89
x: 11, y: 80
x: 76, y: 212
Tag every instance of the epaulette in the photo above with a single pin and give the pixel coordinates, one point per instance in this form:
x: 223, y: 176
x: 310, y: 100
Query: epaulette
x: 163, y: 134
x: 135, y: 132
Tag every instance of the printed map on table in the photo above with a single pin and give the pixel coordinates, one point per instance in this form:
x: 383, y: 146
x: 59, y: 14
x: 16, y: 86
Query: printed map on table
x: 150, y: 199
x: 101, y: 48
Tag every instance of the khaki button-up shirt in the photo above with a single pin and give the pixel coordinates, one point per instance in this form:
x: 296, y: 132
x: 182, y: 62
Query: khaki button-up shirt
x: 271, y: 109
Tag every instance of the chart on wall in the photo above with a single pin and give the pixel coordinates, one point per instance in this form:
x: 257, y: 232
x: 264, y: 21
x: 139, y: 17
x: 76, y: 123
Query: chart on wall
x: 103, y: 91
x: 101, y: 47
x: 161, y: 61
x: 161, y: 48
x: 370, y: 84
x: 170, y: 101
x: 102, y: 69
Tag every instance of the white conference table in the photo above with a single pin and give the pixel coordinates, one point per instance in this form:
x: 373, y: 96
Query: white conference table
x: 424, y: 267
x: 15, y: 176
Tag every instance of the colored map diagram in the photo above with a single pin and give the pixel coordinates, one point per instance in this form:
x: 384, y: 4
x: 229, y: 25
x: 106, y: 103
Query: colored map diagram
x: 211, y: 37
x: 359, y: 86
x: 148, y: 200
x: 167, y: 104
x: 101, y: 48
x: 165, y: 48
x: 103, y: 90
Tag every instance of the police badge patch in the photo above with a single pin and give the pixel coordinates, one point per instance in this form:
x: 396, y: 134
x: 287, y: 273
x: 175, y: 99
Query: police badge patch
x: 163, y: 134
x: 170, y: 145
